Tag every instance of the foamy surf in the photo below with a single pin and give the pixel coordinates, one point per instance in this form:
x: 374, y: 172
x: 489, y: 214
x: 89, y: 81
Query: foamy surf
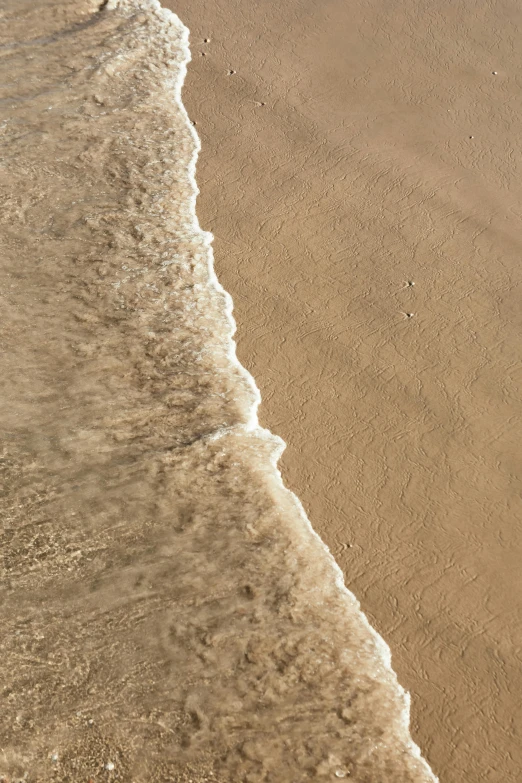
x: 170, y: 613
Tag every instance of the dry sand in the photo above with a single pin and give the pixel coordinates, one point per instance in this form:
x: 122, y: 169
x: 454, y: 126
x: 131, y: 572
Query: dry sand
x: 357, y: 148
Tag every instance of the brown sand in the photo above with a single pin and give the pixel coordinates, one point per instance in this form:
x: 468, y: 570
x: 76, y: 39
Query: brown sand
x: 358, y: 147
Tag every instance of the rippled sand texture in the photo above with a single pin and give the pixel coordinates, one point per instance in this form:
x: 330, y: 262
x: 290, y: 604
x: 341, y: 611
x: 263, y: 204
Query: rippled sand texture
x: 167, y: 614
x: 342, y: 142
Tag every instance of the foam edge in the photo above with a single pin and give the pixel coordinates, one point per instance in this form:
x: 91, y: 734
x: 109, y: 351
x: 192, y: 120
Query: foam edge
x: 252, y: 424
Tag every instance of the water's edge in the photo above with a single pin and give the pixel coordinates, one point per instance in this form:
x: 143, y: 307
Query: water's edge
x: 170, y: 612
x: 253, y: 423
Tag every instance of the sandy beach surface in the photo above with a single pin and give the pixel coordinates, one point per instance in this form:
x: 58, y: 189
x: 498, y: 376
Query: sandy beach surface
x: 167, y: 613
x: 357, y: 149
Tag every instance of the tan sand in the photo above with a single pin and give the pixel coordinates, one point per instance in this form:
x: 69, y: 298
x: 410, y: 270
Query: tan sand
x: 360, y: 147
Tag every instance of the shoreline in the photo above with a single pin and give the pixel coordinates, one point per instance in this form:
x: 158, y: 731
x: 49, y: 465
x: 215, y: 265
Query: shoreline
x: 277, y: 444
x: 165, y: 590
x: 372, y: 128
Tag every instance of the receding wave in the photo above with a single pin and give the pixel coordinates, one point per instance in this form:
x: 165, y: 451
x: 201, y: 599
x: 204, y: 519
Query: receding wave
x: 167, y: 612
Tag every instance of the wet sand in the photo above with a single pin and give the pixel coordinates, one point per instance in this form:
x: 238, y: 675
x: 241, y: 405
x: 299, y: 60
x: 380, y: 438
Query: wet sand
x: 363, y: 164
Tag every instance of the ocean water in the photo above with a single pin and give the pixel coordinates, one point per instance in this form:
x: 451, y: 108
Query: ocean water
x: 167, y: 612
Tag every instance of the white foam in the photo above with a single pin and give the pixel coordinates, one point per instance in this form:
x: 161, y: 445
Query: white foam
x: 252, y: 424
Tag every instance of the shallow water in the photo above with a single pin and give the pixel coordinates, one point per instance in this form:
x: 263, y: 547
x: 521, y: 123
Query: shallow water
x: 167, y: 612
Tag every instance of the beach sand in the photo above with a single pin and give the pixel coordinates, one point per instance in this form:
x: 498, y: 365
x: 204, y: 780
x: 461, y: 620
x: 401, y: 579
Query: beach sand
x: 360, y: 148
x: 167, y: 612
